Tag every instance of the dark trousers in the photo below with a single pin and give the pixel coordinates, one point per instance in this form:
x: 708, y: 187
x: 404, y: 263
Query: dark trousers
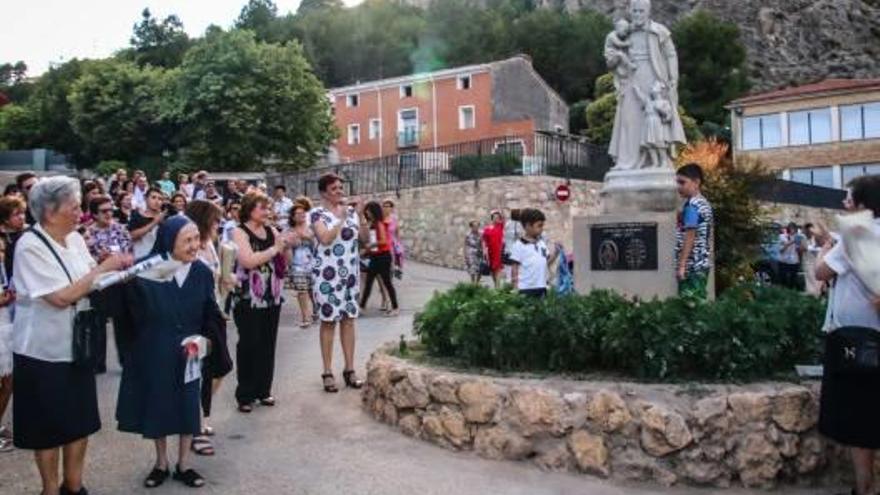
x: 380, y: 266
x: 788, y: 275
x: 255, y: 352
x: 205, y: 394
x: 534, y: 293
x: 123, y: 334
x: 101, y: 351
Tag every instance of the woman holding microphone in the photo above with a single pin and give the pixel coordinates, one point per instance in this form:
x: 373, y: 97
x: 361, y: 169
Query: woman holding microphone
x: 338, y: 226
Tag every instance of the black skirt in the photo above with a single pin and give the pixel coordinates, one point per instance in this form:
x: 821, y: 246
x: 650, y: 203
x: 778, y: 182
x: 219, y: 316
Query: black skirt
x: 849, y: 406
x: 55, y: 403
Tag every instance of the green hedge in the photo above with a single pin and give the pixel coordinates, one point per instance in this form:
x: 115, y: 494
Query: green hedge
x: 482, y: 166
x: 748, y: 333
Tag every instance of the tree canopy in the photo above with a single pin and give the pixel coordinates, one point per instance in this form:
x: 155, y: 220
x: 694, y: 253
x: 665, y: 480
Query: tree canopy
x: 241, y: 102
x: 712, y: 64
x: 158, y: 43
x: 234, y: 98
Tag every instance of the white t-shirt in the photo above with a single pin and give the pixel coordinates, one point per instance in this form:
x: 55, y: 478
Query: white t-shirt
x: 42, y: 331
x: 532, y: 260
x: 850, y: 302
x: 789, y: 255
x: 282, y: 210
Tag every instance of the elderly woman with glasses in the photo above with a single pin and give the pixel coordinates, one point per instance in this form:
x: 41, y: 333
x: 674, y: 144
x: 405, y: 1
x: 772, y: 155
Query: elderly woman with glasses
x: 56, y: 405
x: 106, y: 237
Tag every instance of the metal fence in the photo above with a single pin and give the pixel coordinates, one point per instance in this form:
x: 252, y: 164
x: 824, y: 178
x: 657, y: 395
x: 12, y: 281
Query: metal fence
x: 540, y: 153
x: 518, y: 155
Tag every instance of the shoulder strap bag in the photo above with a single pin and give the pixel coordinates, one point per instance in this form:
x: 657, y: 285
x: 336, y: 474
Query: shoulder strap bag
x: 86, y: 323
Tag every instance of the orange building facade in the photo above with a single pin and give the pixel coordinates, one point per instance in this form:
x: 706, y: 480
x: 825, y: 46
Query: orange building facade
x: 424, y: 111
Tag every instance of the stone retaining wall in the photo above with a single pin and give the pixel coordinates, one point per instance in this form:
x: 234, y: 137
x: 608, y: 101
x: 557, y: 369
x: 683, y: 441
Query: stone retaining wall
x: 715, y: 435
x: 434, y: 219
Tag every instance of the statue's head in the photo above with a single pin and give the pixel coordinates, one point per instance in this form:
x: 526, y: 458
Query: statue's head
x: 621, y: 27
x: 640, y: 12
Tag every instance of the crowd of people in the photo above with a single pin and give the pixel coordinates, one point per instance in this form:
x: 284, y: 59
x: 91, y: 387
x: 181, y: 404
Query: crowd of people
x: 60, y: 236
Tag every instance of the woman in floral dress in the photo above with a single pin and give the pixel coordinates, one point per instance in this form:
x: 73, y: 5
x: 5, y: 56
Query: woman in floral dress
x: 336, y: 274
x: 473, y: 252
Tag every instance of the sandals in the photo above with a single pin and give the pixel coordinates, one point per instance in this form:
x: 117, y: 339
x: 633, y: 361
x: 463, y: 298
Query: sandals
x: 189, y: 477
x: 351, y: 380
x: 202, y: 445
x: 268, y: 401
x: 156, y: 477
x: 329, y: 383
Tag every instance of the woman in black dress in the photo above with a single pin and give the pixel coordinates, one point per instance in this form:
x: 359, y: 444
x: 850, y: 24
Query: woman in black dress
x: 263, y: 256
x: 156, y: 399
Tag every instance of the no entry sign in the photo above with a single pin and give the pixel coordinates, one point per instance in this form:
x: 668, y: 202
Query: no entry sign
x: 563, y: 193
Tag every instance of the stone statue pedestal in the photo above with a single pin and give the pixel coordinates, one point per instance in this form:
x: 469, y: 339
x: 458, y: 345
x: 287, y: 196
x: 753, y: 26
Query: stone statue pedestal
x: 649, y: 189
x: 630, y: 246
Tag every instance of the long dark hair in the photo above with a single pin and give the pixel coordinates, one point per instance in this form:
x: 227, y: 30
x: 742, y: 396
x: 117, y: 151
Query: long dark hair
x: 375, y: 211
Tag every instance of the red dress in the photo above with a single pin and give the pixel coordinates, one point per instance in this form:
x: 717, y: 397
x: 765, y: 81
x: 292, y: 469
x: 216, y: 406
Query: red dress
x: 493, y: 236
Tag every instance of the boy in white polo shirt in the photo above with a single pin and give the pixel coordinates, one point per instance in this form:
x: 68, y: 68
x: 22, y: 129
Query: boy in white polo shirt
x: 530, y: 256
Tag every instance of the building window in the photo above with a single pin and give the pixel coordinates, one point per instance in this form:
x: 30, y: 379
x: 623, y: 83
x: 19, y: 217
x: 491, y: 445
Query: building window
x: 815, y: 176
x: 809, y: 127
x: 761, y: 132
x: 354, y: 134
x: 375, y: 129
x: 464, y: 82
x: 406, y: 91
x: 466, y: 119
x: 860, y: 121
x: 351, y: 100
x: 850, y: 172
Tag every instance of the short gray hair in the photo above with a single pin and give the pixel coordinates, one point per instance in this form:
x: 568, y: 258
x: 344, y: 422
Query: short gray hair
x: 49, y: 194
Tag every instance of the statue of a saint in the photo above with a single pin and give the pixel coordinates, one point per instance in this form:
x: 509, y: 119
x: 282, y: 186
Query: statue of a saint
x: 642, y: 57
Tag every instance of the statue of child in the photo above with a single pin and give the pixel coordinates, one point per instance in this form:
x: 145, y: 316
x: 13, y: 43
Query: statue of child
x: 617, y: 54
x: 655, y: 140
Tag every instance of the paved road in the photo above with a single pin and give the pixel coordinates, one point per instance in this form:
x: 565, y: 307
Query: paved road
x: 315, y: 443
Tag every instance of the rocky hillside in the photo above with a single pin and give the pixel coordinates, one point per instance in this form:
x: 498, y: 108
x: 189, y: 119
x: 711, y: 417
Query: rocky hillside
x: 788, y: 41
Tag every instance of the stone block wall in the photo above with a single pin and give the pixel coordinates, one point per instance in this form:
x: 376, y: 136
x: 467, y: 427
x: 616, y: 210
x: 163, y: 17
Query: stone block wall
x: 760, y: 435
x: 434, y: 220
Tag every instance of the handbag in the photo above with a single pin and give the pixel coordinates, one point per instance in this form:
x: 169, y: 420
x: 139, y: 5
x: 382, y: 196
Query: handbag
x: 853, y: 351
x: 86, y: 322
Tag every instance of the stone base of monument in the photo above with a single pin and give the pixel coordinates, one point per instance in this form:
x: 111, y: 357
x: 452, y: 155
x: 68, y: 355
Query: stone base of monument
x: 650, y: 189
x: 630, y: 253
x: 630, y: 246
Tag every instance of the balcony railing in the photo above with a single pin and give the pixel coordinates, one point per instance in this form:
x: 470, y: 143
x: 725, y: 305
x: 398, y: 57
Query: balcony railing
x: 408, y: 138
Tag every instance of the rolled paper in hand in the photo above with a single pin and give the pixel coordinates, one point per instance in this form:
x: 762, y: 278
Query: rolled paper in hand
x: 113, y: 278
x: 228, y: 253
x: 862, y: 247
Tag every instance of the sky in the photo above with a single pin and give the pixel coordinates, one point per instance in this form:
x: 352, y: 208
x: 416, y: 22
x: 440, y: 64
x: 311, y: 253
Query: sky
x: 44, y: 31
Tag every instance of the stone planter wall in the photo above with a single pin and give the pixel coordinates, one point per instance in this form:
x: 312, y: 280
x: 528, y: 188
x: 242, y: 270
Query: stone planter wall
x: 716, y: 435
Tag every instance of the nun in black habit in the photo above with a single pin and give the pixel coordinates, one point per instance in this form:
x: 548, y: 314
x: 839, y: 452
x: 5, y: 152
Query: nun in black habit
x: 159, y: 395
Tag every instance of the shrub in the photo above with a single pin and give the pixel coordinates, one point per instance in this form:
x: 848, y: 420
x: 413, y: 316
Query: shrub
x: 107, y: 168
x: 750, y: 332
x: 481, y: 166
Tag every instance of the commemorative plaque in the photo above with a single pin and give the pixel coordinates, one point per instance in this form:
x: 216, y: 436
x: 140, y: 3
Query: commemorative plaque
x: 623, y: 246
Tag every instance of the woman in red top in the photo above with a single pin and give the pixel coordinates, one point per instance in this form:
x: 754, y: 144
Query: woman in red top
x: 493, y: 245
x: 379, y: 253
